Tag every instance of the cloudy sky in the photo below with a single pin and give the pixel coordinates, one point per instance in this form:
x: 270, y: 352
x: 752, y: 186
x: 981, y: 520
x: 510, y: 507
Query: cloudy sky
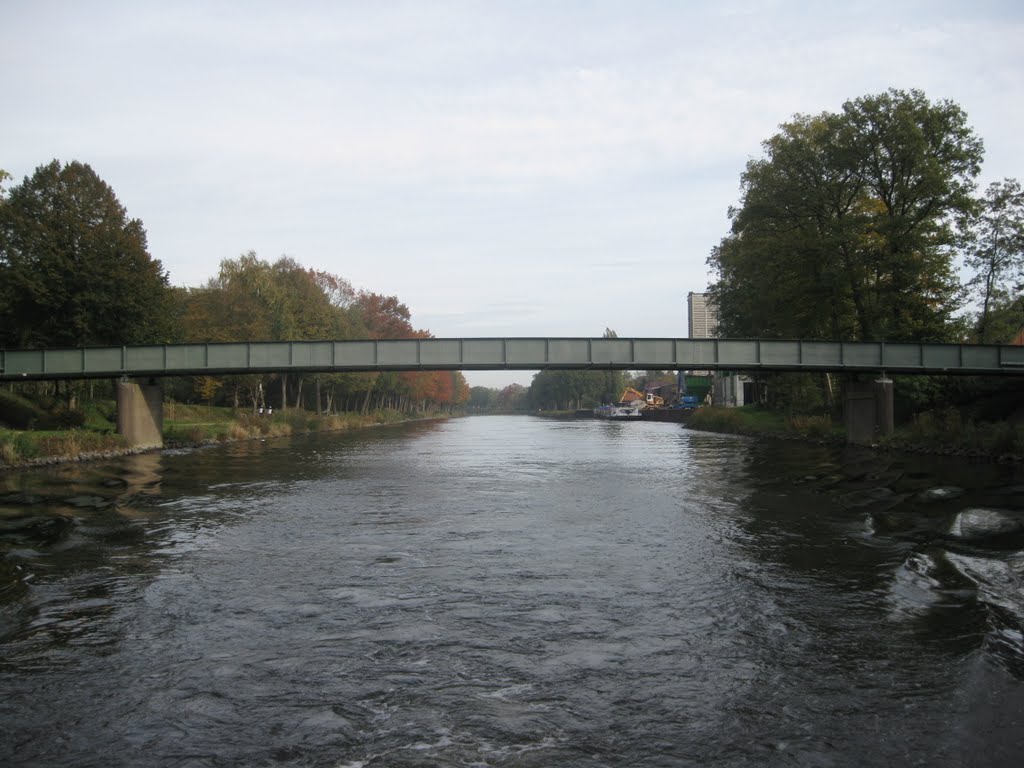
x: 505, y: 168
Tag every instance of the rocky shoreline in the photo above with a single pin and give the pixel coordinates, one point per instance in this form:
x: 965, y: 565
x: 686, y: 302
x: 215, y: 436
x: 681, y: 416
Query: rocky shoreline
x: 84, y: 456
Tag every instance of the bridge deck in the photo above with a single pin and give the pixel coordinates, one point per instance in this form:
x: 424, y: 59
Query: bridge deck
x: 508, y: 353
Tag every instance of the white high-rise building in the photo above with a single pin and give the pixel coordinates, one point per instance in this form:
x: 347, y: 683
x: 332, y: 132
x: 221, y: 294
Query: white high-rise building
x: 702, y: 316
x: 728, y: 389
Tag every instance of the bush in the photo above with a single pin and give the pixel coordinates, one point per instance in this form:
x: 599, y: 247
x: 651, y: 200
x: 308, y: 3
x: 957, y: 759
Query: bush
x: 943, y: 426
x: 796, y: 393
x: 18, y: 413
x: 717, y: 419
x: 69, y: 418
x: 815, y: 426
x: 948, y: 428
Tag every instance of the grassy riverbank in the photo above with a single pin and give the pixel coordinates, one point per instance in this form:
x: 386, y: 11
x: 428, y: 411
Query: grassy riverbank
x: 752, y: 420
x: 198, y: 424
x: 943, y: 433
x: 183, y: 425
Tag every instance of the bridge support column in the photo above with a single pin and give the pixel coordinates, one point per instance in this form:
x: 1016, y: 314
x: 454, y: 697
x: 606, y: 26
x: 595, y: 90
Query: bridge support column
x: 140, y: 413
x: 868, y: 410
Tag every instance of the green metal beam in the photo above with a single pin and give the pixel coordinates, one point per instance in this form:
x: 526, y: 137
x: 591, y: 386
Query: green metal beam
x: 509, y: 354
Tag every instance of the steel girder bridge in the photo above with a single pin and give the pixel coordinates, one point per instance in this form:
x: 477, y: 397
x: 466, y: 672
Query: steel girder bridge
x: 868, y: 410
x: 479, y: 354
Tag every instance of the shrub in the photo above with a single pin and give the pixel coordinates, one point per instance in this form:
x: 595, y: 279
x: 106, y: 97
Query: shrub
x: 238, y: 431
x: 8, y: 450
x: 943, y: 426
x: 718, y: 419
x: 19, y: 413
x: 815, y: 426
x: 69, y: 418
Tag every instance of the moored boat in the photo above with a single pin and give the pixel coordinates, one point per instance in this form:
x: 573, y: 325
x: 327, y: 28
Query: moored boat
x: 620, y: 411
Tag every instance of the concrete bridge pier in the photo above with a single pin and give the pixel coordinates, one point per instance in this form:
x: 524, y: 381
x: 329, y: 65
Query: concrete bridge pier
x: 140, y: 412
x: 868, y: 410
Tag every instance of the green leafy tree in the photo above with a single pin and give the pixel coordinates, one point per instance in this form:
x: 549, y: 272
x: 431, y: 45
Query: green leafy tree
x: 252, y: 299
x: 566, y: 389
x: 576, y: 389
x: 482, y: 398
x: 918, y: 161
x: 847, y: 226
x: 997, y: 257
x: 74, y: 269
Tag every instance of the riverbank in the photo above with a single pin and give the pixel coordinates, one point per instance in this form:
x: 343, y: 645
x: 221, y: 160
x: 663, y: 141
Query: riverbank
x: 942, y: 434
x: 187, y: 426
x: 934, y: 434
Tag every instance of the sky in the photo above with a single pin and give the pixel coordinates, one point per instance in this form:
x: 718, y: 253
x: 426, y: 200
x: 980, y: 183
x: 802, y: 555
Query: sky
x: 505, y: 168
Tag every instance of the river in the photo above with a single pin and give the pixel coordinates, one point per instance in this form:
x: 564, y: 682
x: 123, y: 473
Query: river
x: 509, y: 591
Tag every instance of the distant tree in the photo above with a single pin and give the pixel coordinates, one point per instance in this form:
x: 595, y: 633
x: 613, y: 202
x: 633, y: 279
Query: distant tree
x: 482, y: 398
x: 567, y: 389
x: 512, y: 398
x: 996, y: 253
x: 74, y: 269
x: 576, y: 389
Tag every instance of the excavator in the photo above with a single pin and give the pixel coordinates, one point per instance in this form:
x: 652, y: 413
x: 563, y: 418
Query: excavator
x: 630, y: 395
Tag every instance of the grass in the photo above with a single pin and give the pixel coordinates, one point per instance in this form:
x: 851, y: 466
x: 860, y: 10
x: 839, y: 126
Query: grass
x: 754, y: 420
x: 944, y: 431
x: 196, y: 425
x: 947, y: 431
x: 100, y: 416
x: 183, y: 424
x: 17, y: 446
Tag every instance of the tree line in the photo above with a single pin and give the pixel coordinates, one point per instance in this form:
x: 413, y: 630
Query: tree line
x: 860, y: 224
x: 75, y: 270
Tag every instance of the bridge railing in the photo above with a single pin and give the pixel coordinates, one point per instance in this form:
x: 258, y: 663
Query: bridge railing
x: 508, y: 353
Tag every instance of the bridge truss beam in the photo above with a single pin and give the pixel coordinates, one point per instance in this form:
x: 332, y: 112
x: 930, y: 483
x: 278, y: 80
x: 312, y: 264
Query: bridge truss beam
x: 749, y: 355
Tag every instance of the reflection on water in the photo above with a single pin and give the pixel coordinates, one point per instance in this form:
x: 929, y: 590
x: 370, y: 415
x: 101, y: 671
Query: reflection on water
x: 509, y: 591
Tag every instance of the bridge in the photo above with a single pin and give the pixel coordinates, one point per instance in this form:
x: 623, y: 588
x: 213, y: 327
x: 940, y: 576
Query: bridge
x: 139, y: 367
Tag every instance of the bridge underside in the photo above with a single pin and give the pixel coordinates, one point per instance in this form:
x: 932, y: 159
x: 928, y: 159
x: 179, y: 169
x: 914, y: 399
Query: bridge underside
x: 140, y: 406
x: 509, y: 354
x: 868, y: 412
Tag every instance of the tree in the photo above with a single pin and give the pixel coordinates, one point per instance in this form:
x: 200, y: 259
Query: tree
x: 482, y: 398
x: 512, y: 398
x: 918, y: 161
x: 385, y: 317
x: 997, y: 253
x: 207, y: 387
x: 252, y: 299
x: 74, y: 269
x: 847, y: 227
x: 567, y: 389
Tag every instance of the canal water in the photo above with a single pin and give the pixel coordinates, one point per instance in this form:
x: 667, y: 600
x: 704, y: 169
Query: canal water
x: 509, y: 591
